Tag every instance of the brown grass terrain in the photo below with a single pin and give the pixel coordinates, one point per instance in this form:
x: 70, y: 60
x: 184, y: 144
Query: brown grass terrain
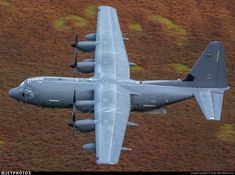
x: 35, y: 39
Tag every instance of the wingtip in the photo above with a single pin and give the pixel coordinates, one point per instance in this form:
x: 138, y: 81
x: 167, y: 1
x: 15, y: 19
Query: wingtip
x: 105, y: 163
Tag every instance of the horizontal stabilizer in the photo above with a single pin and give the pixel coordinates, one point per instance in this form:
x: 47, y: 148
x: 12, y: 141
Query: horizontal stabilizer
x: 210, y: 101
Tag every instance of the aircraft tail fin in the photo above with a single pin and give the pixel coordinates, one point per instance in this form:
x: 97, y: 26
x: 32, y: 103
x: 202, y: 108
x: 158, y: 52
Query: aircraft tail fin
x: 210, y: 69
x: 210, y: 101
x: 209, y: 76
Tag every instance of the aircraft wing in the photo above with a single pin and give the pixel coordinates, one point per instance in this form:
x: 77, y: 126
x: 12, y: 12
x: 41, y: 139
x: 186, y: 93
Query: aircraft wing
x: 112, y: 102
x: 111, y: 60
x: 112, y: 108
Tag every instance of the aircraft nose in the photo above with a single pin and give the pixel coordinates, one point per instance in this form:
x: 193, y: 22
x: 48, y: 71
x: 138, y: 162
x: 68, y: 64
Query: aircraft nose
x: 13, y: 93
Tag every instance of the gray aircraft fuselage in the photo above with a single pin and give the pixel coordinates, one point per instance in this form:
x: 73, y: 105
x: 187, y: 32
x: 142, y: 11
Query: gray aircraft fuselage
x: 57, y: 92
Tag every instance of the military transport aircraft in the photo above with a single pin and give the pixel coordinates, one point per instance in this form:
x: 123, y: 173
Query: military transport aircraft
x: 111, y: 95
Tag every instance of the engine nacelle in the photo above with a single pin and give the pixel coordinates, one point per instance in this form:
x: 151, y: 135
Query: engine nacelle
x: 90, y: 147
x: 85, y: 67
x: 86, y: 46
x: 91, y: 36
x: 85, y: 105
x: 86, y: 125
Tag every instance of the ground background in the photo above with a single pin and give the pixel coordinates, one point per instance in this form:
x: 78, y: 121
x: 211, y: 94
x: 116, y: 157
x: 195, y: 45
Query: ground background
x: 166, y: 38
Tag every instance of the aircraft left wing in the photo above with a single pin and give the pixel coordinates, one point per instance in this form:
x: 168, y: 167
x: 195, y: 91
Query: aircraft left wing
x: 112, y: 108
x: 111, y: 61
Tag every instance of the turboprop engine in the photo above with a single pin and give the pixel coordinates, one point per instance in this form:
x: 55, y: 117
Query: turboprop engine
x: 85, y: 46
x: 85, y: 66
x: 88, y: 125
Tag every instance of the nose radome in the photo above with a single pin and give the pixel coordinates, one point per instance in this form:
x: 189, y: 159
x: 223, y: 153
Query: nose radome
x: 13, y: 93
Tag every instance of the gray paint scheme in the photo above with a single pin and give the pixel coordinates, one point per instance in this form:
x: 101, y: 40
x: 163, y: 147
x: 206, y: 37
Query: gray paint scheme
x: 110, y: 94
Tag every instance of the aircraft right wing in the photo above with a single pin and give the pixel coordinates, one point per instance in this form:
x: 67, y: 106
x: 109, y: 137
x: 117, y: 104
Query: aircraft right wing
x: 112, y: 108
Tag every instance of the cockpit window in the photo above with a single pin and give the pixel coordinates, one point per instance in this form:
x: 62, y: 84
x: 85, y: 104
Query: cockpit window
x: 23, y: 83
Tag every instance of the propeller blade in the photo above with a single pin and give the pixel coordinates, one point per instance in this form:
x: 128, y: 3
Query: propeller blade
x: 75, y: 40
x: 75, y: 62
x: 74, y: 97
x: 73, y: 117
x: 73, y: 132
x: 74, y: 106
x: 76, y: 37
x: 72, y: 123
x: 75, y: 55
x: 74, y: 72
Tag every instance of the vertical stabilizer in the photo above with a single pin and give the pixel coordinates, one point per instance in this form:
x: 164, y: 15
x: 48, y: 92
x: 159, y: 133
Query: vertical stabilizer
x: 210, y: 69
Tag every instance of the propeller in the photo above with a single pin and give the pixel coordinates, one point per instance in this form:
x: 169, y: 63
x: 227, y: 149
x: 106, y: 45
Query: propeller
x: 75, y: 40
x: 75, y: 54
x: 74, y: 65
x: 72, y: 123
